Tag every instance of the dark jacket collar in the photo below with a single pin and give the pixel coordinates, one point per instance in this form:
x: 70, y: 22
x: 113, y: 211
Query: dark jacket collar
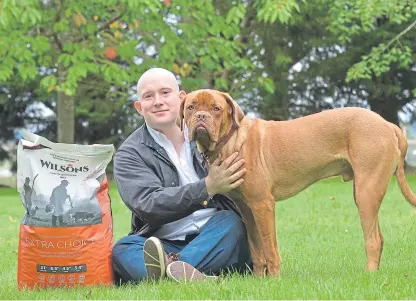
x: 148, y: 139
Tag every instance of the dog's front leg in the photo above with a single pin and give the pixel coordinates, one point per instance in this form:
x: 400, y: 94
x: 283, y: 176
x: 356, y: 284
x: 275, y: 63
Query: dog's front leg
x: 255, y: 245
x: 263, y: 210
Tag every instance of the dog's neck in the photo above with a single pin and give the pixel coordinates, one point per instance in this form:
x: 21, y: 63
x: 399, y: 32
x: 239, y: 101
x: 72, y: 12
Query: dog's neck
x: 211, y: 154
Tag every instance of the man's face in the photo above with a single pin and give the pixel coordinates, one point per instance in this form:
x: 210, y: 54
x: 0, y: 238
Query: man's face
x: 159, y: 101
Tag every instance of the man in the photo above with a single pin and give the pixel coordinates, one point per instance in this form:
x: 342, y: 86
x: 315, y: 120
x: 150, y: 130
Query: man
x: 182, y: 226
x: 28, y: 195
x: 58, y: 199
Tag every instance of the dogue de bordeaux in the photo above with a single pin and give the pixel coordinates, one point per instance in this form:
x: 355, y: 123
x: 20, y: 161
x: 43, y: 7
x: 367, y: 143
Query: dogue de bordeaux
x: 284, y: 157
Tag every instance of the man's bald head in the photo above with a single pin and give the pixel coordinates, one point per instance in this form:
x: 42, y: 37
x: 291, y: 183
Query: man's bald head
x: 159, y: 99
x: 155, y: 75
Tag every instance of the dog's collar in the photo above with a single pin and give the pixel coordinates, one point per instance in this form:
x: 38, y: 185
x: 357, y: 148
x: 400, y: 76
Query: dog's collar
x: 220, y: 144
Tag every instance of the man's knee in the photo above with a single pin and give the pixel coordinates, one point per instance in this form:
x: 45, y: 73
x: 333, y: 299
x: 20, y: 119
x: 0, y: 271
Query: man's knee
x: 127, y: 244
x: 127, y: 259
x: 117, y: 251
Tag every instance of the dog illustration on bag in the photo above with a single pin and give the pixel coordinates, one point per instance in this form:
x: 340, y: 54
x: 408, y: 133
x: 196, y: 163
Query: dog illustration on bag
x: 82, y: 217
x: 57, y: 200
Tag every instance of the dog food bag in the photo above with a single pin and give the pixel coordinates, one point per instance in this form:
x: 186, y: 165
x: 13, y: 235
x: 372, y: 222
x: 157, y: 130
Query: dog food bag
x: 66, y: 234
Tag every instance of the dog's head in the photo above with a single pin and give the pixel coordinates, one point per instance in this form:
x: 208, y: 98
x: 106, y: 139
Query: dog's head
x: 209, y: 116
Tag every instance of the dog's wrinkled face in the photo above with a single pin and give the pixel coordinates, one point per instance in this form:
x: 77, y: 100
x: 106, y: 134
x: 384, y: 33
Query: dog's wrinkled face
x: 209, y: 115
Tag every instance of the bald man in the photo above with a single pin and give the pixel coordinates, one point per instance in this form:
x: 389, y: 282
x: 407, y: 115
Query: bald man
x: 182, y: 227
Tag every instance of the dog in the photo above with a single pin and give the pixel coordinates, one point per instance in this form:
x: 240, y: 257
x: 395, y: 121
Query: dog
x: 284, y: 157
x: 33, y: 211
x: 81, y: 216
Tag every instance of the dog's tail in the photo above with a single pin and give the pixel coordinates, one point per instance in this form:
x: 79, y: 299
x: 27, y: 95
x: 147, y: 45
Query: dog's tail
x: 401, y: 179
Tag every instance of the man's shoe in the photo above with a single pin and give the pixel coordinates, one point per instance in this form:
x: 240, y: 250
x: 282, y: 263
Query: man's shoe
x: 184, y: 272
x: 155, y: 258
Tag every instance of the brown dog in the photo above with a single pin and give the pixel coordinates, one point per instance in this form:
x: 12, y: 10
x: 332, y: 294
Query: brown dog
x: 284, y: 157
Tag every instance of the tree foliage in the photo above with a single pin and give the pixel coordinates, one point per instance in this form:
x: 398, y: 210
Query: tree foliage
x: 63, y: 43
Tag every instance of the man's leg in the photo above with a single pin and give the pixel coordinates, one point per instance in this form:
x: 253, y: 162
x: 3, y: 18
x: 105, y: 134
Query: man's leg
x: 54, y: 217
x: 221, y: 245
x: 128, y: 258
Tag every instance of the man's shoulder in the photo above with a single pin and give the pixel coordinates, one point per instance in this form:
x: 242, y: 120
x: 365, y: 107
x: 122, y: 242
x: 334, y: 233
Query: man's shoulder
x: 133, y: 141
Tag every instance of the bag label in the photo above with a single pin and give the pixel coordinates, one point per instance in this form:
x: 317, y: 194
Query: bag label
x: 79, y: 268
x: 59, y: 189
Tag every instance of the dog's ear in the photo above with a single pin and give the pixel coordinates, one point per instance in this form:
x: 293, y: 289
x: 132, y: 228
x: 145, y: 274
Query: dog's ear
x: 179, y: 119
x: 179, y: 122
x: 236, y: 112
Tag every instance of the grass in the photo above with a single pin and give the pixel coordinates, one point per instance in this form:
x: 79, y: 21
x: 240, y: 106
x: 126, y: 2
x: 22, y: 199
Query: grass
x: 320, y: 241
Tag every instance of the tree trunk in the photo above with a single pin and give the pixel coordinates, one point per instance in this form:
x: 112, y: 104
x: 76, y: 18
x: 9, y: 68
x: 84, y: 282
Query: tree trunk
x: 65, y: 112
x: 388, y: 109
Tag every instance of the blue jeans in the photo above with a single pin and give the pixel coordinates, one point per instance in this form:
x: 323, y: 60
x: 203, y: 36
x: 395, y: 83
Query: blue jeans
x: 221, y: 246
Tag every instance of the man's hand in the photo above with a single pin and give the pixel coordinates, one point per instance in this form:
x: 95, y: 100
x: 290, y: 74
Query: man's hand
x: 225, y: 176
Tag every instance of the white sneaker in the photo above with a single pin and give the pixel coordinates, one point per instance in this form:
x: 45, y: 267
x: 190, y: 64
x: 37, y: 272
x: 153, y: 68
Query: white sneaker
x: 181, y: 271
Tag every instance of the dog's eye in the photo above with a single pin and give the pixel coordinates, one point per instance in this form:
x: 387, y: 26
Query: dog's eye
x: 217, y: 109
x: 190, y: 108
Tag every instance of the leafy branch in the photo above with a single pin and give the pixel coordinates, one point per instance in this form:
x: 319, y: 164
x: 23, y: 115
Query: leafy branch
x: 379, y: 61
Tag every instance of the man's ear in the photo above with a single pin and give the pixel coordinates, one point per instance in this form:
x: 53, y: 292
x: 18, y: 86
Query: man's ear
x: 182, y: 95
x: 138, y: 106
x: 236, y: 112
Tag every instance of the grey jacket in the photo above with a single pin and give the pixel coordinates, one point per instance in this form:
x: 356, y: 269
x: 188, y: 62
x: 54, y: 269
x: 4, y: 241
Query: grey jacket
x: 148, y: 183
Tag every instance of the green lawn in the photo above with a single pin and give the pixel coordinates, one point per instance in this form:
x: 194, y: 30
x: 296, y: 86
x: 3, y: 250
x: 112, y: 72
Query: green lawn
x: 321, y: 245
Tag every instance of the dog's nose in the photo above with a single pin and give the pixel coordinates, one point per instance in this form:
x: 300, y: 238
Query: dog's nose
x: 200, y: 116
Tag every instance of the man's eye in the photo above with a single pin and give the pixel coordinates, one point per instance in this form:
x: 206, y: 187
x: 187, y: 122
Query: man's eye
x: 217, y: 109
x: 191, y: 107
x: 165, y: 92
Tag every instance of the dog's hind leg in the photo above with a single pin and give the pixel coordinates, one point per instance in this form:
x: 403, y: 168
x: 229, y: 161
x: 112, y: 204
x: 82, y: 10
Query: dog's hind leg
x: 254, y: 240
x: 374, y: 156
x: 369, y: 190
x: 264, y: 215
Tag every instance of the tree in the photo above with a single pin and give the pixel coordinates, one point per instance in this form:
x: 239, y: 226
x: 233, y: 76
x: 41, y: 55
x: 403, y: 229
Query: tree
x: 86, y: 58
x: 351, y: 18
x: 331, y: 69
x: 19, y: 107
x: 310, y: 40
x: 64, y: 43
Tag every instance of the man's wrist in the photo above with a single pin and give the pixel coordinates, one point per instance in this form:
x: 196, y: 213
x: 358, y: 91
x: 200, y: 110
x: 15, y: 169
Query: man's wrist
x: 208, y: 201
x: 209, y: 189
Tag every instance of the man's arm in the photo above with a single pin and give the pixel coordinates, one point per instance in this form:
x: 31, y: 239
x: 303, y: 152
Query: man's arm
x: 143, y: 193
x: 52, y: 197
x: 70, y: 201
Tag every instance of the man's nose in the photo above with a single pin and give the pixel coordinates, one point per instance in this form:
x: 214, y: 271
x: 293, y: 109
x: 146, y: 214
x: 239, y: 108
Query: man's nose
x: 158, y: 100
